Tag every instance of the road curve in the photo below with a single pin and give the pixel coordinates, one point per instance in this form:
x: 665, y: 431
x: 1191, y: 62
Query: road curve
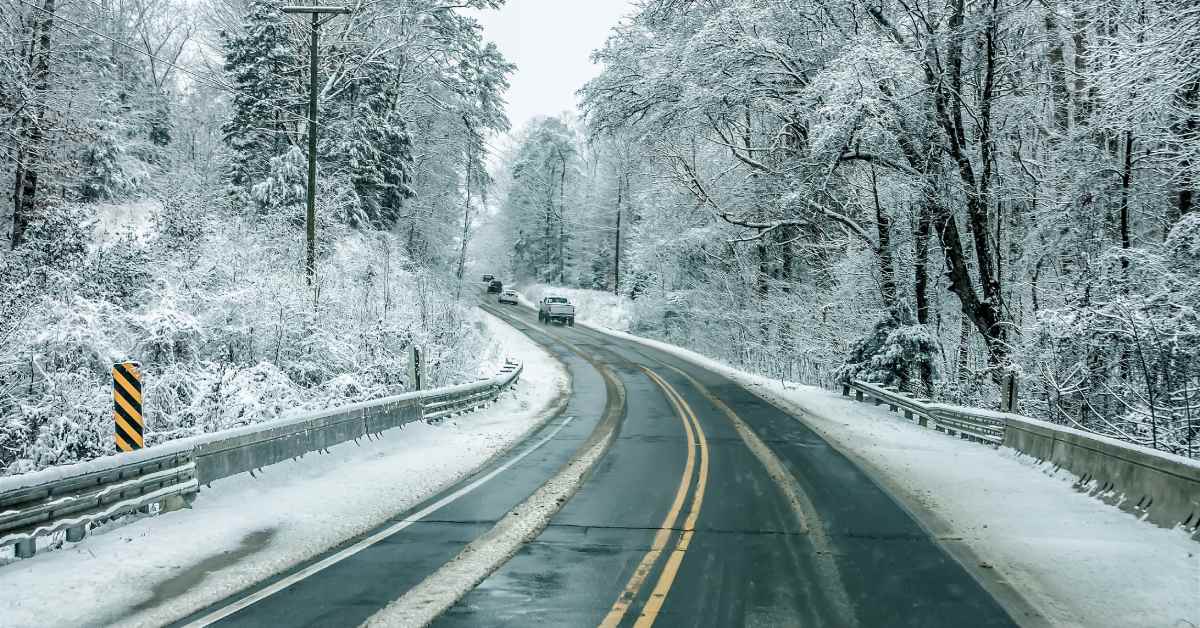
x: 711, y: 507
x: 788, y: 532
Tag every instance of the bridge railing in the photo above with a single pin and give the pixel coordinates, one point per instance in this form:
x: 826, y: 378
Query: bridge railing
x: 78, y: 496
x: 969, y: 423
x: 1161, y: 487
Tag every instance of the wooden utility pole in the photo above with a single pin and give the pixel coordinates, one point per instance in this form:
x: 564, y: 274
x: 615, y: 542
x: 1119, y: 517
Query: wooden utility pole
x: 310, y: 218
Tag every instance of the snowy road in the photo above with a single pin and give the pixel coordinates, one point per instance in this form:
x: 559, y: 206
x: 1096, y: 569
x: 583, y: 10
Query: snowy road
x: 710, y: 508
x: 786, y: 531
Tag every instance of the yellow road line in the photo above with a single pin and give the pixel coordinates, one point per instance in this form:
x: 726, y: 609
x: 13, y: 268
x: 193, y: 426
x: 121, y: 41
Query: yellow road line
x: 805, y: 511
x: 626, y: 597
x: 659, y: 595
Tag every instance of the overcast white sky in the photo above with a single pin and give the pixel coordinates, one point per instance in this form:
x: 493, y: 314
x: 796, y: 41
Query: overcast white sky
x: 551, y: 42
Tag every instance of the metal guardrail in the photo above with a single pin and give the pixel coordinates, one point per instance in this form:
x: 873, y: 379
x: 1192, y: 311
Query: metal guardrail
x: 75, y: 497
x: 969, y: 423
x: 1160, y: 487
x: 468, y: 397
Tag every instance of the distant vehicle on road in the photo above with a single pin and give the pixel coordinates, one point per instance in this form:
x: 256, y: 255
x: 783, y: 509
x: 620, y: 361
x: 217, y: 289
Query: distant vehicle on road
x: 488, y: 278
x: 495, y: 286
x: 554, y: 309
x: 508, y: 296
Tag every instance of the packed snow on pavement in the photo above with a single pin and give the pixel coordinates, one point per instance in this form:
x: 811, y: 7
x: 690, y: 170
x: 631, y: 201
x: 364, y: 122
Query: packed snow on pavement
x: 245, y: 529
x: 1077, y: 560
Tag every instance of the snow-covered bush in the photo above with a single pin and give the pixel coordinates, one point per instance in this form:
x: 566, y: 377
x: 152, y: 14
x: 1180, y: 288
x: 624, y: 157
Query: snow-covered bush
x: 215, y: 307
x: 893, y: 354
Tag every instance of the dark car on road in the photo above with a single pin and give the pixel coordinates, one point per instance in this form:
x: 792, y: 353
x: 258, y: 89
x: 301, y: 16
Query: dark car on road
x: 495, y: 286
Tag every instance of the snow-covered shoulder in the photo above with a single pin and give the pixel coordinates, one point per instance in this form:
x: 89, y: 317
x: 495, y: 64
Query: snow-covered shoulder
x: 592, y: 307
x: 1077, y: 560
x: 245, y: 529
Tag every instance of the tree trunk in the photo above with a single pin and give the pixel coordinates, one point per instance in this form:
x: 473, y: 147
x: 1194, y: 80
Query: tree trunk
x: 1126, y: 179
x: 986, y: 312
x: 562, y: 217
x: 887, y: 268
x: 617, y: 256
x: 1058, y: 74
x: 466, y: 231
x: 921, y: 287
x: 921, y: 264
x: 29, y: 159
x: 545, y: 275
x: 964, y: 346
x: 1185, y: 130
x: 1083, y: 99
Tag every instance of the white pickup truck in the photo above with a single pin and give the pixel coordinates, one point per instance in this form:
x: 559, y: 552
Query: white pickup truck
x: 556, y: 309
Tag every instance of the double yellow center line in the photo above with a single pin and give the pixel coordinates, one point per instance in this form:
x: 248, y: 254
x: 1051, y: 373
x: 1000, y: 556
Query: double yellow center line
x: 696, y: 442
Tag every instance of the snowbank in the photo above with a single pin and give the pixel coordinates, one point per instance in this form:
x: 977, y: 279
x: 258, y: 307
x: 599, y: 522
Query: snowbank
x: 134, y: 219
x: 1077, y: 560
x: 246, y: 529
x: 592, y: 307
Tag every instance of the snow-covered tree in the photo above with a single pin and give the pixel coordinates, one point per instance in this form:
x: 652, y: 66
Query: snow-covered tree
x: 267, y: 103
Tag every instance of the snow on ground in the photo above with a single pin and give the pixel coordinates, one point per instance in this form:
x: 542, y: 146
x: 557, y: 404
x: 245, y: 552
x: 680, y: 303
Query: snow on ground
x: 245, y: 529
x: 1077, y: 560
x: 592, y: 307
x: 136, y: 219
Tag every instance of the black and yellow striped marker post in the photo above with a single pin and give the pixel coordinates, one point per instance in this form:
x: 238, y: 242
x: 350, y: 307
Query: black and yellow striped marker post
x: 128, y: 425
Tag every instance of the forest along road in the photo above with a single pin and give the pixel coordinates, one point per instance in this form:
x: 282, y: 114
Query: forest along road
x: 710, y: 508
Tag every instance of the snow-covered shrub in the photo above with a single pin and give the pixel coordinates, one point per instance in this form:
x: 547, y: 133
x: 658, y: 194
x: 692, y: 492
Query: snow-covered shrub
x: 285, y: 184
x: 70, y: 420
x: 892, y: 354
x: 109, y: 171
x: 215, y: 306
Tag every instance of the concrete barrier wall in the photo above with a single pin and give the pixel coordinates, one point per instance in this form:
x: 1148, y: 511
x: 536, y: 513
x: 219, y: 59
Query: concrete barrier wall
x: 1163, y: 488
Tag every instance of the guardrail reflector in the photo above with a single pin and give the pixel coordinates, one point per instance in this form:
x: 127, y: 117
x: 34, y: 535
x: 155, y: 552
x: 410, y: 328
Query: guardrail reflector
x: 128, y: 425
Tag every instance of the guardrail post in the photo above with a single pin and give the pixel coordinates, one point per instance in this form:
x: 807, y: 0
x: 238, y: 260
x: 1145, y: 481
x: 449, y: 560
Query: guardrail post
x: 75, y: 534
x: 892, y: 407
x: 416, y: 368
x: 1008, y: 393
x: 858, y: 395
x: 26, y: 548
x: 171, y: 503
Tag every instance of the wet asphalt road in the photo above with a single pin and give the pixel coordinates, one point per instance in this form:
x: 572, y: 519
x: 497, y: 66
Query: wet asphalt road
x: 845, y: 555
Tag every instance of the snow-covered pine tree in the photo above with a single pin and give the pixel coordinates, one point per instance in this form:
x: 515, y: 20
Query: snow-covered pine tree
x: 376, y: 147
x: 266, y: 106
x: 283, y: 189
x: 602, y: 264
x: 101, y: 162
